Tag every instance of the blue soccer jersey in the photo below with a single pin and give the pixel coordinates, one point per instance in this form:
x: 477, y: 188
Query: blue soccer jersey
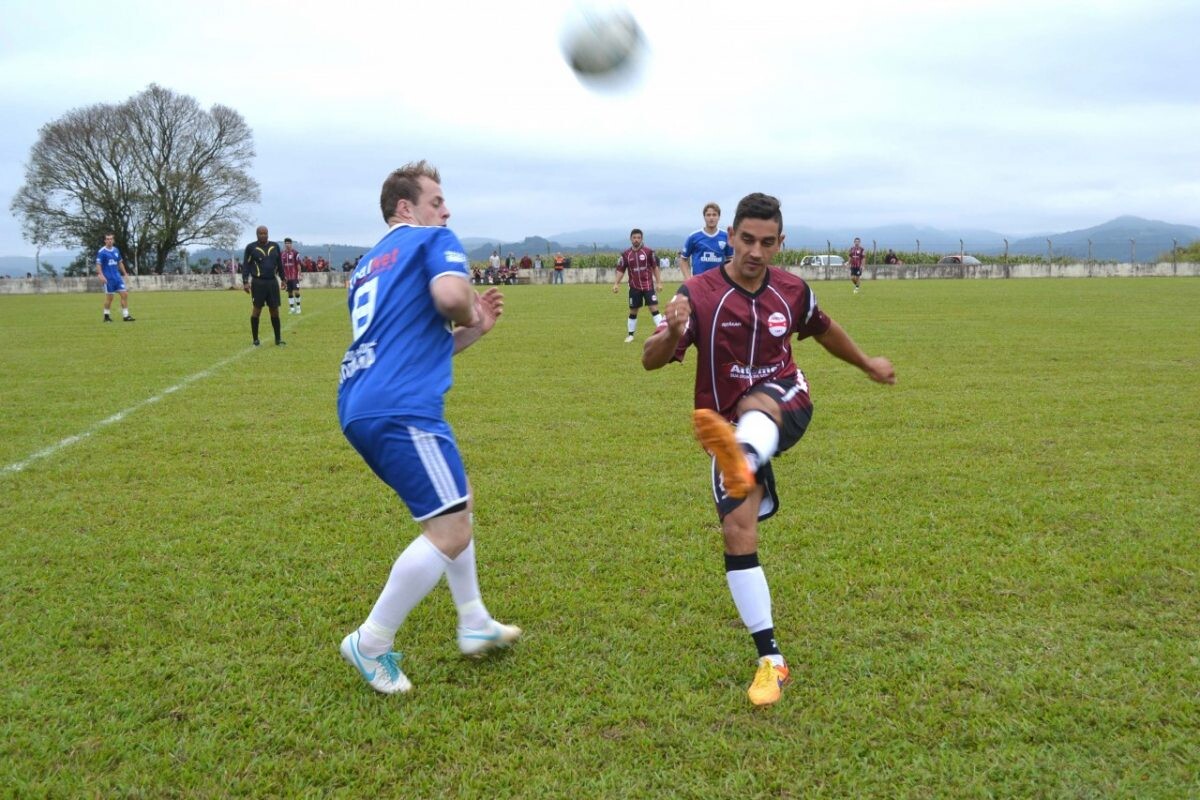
x: 398, y: 363
x: 707, y: 252
x: 109, y: 259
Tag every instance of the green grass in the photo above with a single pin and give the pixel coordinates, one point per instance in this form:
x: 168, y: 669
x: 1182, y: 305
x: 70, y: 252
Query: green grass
x: 985, y: 577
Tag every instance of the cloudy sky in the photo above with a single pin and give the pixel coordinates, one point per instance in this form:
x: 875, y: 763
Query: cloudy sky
x: 1012, y: 115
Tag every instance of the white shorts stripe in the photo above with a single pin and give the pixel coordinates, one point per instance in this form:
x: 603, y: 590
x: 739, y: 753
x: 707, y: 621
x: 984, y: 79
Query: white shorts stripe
x: 435, y: 464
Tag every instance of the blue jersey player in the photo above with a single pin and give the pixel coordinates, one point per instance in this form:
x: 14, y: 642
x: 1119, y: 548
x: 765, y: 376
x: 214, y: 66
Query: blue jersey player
x: 411, y: 309
x: 705, y: 249
x: 110, y: 268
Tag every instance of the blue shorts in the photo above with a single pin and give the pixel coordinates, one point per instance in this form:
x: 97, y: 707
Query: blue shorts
x: 114, y: 285
x: 418, y: 458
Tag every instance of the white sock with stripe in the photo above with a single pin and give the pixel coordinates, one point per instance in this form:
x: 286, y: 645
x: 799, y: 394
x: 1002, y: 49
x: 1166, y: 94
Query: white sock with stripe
x: 759, y: 431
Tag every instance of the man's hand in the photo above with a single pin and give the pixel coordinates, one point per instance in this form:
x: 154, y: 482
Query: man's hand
x: 615, y: 287
x: 488, y: 308
x: 679, y: 310
x: 246, y: 288
x: 880, y: 370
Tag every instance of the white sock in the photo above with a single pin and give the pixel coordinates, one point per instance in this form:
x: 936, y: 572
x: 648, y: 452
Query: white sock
x: 107, y: 313
x: 463, y: 578
x: 632, y: 324
x: 757, y: 429
x: 658, y: 319
x: 752, y: 597
x: 124, y: 312
x: 415, y: 573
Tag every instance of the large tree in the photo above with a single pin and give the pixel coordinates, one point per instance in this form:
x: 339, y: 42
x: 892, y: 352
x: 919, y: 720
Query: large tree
x: 158, y: 171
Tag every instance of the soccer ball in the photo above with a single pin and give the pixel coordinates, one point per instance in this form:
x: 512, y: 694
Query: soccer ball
x: 602, y: 43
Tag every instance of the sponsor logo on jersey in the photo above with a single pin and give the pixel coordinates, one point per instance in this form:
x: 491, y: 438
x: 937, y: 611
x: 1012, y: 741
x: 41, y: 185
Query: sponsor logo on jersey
x: 743, y: 372
x: 455, y: 257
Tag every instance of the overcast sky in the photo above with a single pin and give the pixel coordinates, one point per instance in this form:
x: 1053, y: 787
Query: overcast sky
x: 1012, y: 115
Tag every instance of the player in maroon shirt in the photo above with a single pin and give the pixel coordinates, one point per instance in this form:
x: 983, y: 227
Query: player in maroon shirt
x: 291, y: 273
x: 741, y: 318
x: 857, y: 255
x: 644, y: 280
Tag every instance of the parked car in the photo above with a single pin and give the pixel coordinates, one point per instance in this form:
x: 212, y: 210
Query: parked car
x: 970, y: 261
x: 822, y: 261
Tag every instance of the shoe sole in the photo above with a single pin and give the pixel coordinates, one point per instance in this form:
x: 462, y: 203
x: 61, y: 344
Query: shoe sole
x: 715, y: 436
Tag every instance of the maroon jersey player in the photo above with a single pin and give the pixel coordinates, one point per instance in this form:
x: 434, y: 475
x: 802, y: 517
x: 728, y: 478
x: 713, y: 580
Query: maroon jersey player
x: 857, y: 256
x: 741, y: 319
x: 291, y: 274
x: 644, y: 280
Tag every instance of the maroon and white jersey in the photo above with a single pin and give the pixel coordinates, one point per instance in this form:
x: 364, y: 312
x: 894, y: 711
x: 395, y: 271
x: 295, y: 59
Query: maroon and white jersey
x: 291, y: 264
x: 744, y: 339
x: 640, y: 263
x: 857, y: 254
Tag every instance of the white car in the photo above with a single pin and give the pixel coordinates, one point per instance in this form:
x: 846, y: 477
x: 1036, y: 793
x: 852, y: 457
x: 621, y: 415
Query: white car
x: 822, y: 261
x: 970, y: 261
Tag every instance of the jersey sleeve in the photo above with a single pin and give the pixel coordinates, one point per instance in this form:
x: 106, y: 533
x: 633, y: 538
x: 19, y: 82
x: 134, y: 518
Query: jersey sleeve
x: 99, y: 262
x: 444, y: 255
x: 810, y: 319
x: 688, y: 244
x: 621, y: 263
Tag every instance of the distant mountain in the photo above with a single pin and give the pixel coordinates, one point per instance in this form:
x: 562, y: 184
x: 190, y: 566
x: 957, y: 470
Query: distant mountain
x: 1110, y: 241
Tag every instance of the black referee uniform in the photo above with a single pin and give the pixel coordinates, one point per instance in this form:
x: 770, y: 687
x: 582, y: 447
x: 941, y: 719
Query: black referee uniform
x: 262, y: 269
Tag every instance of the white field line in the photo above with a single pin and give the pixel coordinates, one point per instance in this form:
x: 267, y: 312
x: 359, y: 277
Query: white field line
x: 46, y: 452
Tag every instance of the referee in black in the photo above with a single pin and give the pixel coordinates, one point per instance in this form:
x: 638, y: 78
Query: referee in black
x: 262, y: 275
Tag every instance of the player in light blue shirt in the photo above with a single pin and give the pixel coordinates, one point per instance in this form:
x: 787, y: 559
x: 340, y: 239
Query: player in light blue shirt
x: 411, y: 309
x: 705, y: 249
x: 110, y: 268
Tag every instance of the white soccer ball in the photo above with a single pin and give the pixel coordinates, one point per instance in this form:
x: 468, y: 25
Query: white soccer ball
x: 602, y: 42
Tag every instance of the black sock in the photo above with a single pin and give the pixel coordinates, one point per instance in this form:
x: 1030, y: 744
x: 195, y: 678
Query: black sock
x: 275, y: 325
x: 254, y: 328
x: 764, y: 640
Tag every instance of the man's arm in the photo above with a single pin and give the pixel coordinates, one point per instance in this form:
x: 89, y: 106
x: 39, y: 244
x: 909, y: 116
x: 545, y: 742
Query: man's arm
x: 838, y: 343
x: 246, y: 268
x: 620, y: 273
x: 659, y: 349
x: 685, y: 265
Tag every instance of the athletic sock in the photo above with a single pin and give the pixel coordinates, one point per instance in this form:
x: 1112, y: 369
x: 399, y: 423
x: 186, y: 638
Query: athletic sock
x: 463, y: 578
x: 125, y: 313
x: 752, y: 597
x: 658, y: 319
x: 758, y: 433
x: 631, y: 324
x: 254, y: 328
x: 275, y: 326
x: 415, y: 573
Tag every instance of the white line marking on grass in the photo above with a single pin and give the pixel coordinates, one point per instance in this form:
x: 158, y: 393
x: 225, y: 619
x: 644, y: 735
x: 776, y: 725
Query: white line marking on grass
x: 46, y: 452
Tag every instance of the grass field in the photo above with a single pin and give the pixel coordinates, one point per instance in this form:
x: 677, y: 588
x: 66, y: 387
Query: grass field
x: 985, y: 577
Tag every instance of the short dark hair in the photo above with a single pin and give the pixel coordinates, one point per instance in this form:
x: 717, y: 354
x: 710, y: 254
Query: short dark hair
x: 404, y: 184
x: 758, y: 206
x: 713, y: 206
x: 287, y: 240
x: 638, y: 231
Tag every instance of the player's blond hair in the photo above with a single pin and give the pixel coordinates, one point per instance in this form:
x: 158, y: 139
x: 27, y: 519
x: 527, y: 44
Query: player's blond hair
x: 405, y: 184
